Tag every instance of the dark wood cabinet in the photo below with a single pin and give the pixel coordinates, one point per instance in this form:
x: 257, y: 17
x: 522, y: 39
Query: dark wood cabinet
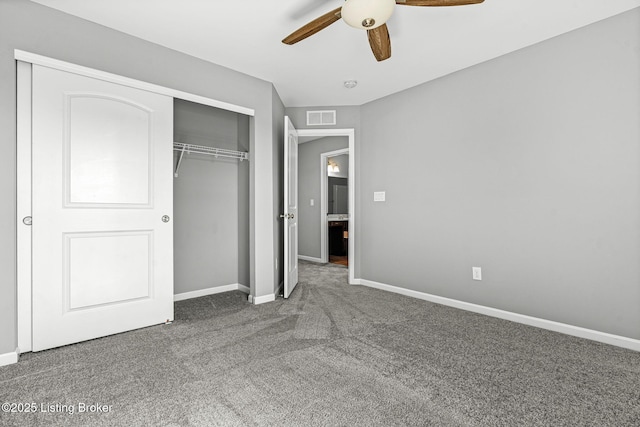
x: 338, y: 238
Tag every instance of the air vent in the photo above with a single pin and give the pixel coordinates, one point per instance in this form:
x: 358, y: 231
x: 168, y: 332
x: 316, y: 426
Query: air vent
x: 323, y: 117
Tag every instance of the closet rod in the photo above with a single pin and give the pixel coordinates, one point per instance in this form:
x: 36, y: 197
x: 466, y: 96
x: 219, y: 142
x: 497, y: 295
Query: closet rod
x: 208, y: 151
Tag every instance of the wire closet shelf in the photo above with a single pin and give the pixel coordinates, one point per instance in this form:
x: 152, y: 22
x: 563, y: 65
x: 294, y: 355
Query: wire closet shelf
x: 207, y: 151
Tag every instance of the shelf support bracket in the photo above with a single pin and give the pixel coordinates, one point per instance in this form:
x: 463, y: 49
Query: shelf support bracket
x: 175, y: 174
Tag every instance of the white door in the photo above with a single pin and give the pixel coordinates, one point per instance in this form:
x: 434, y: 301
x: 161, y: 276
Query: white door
x: 102, y: 205
x: 290, y: 207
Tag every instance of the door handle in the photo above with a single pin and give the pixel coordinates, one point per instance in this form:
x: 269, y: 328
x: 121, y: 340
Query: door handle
x: 165, y: 218
x: 287, y: 216
x: 27, y: 220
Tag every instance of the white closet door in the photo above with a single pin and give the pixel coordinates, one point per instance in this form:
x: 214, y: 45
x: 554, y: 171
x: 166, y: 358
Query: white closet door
x: 102, y: 206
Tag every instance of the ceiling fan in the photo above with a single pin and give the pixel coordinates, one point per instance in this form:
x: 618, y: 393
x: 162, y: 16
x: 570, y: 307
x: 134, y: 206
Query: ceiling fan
x: 370, y: 15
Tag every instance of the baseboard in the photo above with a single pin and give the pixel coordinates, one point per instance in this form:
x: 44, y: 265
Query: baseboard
x: 356, y: 282
x: 211, y: 291
x: 264, y: 298
x: 9, y: 358
x: 311, y: 259
x: 576, y: 331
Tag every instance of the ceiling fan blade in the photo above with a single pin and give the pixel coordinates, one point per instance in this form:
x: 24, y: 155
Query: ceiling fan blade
x: 313, y: 27
x: 380, y: 42
x: 437, y: 2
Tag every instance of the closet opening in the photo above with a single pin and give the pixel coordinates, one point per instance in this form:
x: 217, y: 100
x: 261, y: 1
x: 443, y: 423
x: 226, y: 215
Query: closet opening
x: 211, y: 200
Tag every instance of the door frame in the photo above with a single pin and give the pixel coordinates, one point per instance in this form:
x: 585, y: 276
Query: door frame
x: 24, y: 62
x: 353, y: 209
x: 324, y: 202
x: 23, y: 205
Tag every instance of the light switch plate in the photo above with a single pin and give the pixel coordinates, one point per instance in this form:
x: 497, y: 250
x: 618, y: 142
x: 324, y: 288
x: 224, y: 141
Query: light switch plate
x: 311, y: 202
x: 379, y: 196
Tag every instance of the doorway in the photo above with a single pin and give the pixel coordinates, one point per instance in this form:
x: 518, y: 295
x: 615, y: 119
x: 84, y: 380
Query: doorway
x: 348, y: 218
x: 335, y: 206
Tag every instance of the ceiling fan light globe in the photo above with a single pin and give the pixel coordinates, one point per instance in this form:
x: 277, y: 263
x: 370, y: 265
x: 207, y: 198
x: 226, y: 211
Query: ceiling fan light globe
x: 367, y: 14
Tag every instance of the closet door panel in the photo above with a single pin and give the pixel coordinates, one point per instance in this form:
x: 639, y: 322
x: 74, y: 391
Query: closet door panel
x: 102, y: 206
x: 107, y: 268
x: 107, y: 149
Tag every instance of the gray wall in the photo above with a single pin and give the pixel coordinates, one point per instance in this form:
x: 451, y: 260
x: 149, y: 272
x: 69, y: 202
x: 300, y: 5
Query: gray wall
x: 309, y: 188
x: 38, y: 29
x: 207, y: 200
x: 527, y: 166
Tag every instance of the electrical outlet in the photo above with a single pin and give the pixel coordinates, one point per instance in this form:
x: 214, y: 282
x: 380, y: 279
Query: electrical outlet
x: 476, y: 273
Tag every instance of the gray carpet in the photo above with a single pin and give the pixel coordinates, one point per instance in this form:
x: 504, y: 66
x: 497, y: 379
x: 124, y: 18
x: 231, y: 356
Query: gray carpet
x: 332, y: 355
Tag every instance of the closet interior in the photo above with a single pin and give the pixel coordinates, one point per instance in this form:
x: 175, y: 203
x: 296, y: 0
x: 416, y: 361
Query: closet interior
x: 210, y: 199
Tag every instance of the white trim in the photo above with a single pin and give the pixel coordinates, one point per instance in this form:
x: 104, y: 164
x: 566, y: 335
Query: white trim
x: 324, y: 176
x: 350, y: 133
x: 210, y: 291
x: 264, y: 298
x: 23, y: 204
x: 576, y: 331
x: 311, y: 259
x: 9, y: 358
x: 244, y: 289
x: 33, y: 58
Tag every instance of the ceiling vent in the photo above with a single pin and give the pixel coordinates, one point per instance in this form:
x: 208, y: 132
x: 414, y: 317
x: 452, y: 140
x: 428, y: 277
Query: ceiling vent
x: 323, y: 117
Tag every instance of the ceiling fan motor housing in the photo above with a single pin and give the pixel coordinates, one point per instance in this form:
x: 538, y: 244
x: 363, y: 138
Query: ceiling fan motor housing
x: 367, y: 14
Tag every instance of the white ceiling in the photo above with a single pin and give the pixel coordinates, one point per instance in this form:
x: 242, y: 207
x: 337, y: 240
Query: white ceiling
x: 427, y: 42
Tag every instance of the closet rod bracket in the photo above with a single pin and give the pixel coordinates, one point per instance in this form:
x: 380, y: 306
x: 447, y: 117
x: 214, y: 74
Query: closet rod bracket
x: 175, y: 174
